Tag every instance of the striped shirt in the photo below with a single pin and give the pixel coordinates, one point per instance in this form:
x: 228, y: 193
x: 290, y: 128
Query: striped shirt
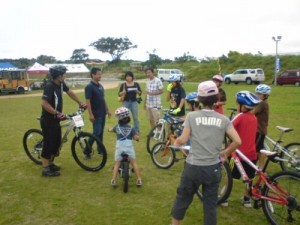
x: 154, y: 85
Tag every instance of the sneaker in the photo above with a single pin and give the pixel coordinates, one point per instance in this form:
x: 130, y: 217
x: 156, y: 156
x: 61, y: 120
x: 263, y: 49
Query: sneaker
x: 246, y: 202
x: 113, y: 182
x: 47, y: 172
x: 224, y: 203
x: 54, y: 167
x: 139, y: 182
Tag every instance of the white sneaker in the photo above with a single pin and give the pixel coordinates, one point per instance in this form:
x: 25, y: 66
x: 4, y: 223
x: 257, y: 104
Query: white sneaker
x: 224, y: 204
x: 113, y: 182
x: 246, y: 201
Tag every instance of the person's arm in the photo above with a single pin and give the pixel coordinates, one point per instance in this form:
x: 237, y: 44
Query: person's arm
x: 45, y: 104
x: 89, y: 108
x: 184, y: 137
x: 236, y: 142
x: 107, y: 110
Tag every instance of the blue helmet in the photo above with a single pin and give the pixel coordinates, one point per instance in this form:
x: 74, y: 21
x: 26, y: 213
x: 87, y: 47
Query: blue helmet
x: 193, y: 96
x: 263, y: 89
x: 174, y: 77
x: 248, y: 99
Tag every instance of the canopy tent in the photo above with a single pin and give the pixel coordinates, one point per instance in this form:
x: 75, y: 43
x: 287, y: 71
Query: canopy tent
x: 37, y: 68
x: 7, y: 66
x: 73, y: 68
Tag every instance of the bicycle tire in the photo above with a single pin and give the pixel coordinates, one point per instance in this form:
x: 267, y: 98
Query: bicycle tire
x: 33, y: 145
x: 294, y: 150
x: 125, y: 176
x: 283, y: 214
x: 153, y: 137
x: 161, y: 158
x: 85, y: 152
x: 225, y: 185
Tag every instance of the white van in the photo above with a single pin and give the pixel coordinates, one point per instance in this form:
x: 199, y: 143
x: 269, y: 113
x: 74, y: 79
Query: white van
x: 164, y: 74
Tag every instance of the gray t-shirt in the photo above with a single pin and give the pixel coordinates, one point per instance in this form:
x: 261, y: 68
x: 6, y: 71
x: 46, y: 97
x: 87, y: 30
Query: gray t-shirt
x: 207, y: 134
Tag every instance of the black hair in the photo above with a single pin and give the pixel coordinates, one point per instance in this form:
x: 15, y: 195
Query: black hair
x: 149, y: 69
x: 124, y: 121
x: 130, y: 74
x: 209, y: 100
x: 94, y: 70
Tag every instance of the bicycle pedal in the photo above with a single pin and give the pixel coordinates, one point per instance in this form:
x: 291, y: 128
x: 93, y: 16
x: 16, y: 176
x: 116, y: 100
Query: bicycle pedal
x: 257, y: 204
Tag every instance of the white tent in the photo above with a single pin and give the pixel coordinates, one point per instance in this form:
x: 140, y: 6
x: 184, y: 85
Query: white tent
x: 37, y: 68
x: 73, y: 68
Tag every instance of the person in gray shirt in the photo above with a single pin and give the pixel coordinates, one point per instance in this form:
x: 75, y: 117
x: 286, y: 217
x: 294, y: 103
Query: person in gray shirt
x: 206, y: 130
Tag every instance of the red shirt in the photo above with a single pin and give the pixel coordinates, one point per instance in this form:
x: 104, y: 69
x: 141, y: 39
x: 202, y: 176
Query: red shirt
x: 246, y: 125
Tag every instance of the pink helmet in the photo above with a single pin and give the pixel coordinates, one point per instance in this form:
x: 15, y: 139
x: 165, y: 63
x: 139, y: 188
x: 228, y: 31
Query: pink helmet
x: 121, y: 113
x: 207, y: 88
x: 218, y: 78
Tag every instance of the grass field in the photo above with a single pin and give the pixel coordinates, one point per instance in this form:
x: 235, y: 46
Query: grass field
x: 79, y: 197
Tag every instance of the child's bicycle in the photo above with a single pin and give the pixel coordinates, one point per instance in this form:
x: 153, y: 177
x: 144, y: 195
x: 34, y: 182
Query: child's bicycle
x: 124, y: 171
x: 289, y: 155
x: 278, y: 195
x: 84, y: 146
x: 165, y: 126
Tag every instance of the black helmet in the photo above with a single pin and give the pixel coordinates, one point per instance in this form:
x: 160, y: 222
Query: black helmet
x: 57, y: 70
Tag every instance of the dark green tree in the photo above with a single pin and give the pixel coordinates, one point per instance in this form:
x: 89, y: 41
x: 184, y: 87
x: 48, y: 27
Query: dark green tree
x: 185, y: 58
x: 79, y: 56
x: 154, y: 60
x: 116, y: 47
x: 43, y: 59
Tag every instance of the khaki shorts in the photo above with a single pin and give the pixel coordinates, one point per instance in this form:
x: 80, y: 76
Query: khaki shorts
x: 153, y: 114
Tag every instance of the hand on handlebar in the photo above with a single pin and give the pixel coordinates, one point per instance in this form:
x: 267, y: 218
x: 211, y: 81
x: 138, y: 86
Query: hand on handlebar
x: 83, y: 106
x: 175, y: 111
x: 60, y: 116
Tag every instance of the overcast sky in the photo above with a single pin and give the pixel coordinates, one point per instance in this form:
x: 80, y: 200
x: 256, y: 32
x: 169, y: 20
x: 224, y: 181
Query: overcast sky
x: 210, y: 28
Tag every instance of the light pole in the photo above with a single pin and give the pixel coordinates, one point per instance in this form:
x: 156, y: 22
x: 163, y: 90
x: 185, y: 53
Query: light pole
x: 276, y: 39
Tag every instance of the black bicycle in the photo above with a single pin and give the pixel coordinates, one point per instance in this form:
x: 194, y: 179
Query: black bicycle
x: 87, y: 149
x: 124, y: 171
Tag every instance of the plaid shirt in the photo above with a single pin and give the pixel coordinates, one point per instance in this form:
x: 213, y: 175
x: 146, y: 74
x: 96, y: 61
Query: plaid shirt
x: 154, y: 85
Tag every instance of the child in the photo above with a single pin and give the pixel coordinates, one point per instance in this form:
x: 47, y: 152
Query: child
x: 218, y: 106
x: 125, y: 134
x: 245, y: 124
x: 262, y: 114
x: 192, y: 101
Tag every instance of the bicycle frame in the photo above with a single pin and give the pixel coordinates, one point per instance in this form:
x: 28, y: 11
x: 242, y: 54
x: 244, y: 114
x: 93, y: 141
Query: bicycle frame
x: 254, y: 190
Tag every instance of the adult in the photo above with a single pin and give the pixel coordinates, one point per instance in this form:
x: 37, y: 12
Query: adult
x: 206, y: 129
x: 96, y: 104
x: 154, y: 90
x: 52, y: 106
x: 130, y: 89
x: 218, y: 106
x: 176, y: 95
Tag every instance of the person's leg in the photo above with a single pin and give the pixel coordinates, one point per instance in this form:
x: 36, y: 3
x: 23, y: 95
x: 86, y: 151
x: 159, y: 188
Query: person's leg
x: 134, y: 111
x: 136, y: 169
x: 98, y: 128
x: 211, y: 176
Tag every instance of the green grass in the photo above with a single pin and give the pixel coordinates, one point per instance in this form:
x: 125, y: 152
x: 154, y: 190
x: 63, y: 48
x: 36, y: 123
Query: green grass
x: 78, y: 197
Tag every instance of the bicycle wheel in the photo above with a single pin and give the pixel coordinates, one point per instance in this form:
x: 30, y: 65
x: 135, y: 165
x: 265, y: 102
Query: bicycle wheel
x: 125, y: 176
x: 225, y: 185
x: 293, y: 163
x: 89, y: 152
x: 288, y: 185
x: 157, y: 134
x: 161, y: 157
x: 33, y: 145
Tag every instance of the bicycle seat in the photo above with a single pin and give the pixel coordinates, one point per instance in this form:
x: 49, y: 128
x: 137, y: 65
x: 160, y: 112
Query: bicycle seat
x: 124, y: 154
x: 284, y: 129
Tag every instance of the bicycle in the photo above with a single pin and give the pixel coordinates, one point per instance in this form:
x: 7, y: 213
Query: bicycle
x: 84, y: 151
x: 158, y: 133
x: 278, y: 195
x: 124, y: 171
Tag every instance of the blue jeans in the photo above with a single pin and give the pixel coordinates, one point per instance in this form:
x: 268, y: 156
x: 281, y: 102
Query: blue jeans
x: 98, y: 128
x: 133, y: 106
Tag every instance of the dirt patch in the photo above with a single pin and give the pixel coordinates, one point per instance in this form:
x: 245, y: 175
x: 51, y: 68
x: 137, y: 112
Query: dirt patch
x: 106, y: 85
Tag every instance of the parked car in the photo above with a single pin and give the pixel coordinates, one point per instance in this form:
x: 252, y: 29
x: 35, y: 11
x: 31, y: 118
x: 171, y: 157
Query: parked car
x: 245, y: 75
x: 164, y: 74
x: 289, y: 77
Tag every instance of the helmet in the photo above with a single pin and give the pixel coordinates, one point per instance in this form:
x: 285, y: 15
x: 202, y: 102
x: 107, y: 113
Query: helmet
x: 57, y: 70
x: 193, y: 96
x: 207, y: 88
x: 263, y: 89
x: 121, y: 113
x: 248, y: 99
x: 174, y: 77
x: 218, y: 78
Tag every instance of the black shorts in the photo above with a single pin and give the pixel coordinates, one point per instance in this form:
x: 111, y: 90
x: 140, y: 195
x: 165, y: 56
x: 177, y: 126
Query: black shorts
x: 248, y: 169
x: 52, y: 138
x: 260, y: 138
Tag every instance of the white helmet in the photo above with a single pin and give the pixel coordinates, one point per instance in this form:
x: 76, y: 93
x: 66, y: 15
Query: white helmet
x: 121, y: 113
x: 263, y: 89
x: 174, y: 77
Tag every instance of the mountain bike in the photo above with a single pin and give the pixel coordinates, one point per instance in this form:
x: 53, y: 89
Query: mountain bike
x: 289, y: 155
x: 87, y: 149
x: 278, y: 194
x: 124, y: 171
x: 164, y: 127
